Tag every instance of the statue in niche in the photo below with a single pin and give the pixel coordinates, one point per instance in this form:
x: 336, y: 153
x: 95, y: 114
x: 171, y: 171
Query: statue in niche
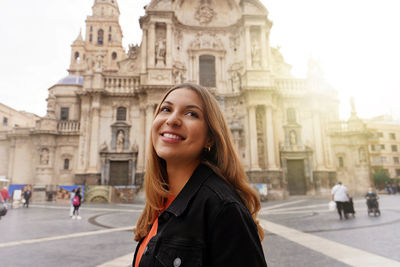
x: 120, y: 141
x: 292, y: 138
x: 44, y: 156
x: 178, y: 76
x: 255, y: 54
x: 160, y: 52
x: 236, y: 82
x: 99, y: 61
x: 363, y: 157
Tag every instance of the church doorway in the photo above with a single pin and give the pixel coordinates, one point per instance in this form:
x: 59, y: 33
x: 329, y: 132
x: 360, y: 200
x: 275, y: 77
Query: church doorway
x: 296, y: 177
x: 119, y: 173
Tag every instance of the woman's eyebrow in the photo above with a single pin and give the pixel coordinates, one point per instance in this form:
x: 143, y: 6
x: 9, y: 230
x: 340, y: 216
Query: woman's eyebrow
x: 188, y: 106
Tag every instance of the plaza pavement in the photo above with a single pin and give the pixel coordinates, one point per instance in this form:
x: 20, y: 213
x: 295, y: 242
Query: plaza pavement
x: 300, y: 232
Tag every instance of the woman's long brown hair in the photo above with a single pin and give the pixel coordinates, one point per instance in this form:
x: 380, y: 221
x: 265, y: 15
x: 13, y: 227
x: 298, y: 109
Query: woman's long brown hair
x: 222, y: 159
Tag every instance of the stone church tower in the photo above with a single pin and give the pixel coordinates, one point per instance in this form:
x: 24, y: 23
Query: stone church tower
x: 98, y: 121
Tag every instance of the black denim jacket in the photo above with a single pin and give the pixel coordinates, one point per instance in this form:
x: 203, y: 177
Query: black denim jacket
x: 206, y: 225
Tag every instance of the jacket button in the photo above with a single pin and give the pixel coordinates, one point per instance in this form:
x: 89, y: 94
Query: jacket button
x: 177, y: 262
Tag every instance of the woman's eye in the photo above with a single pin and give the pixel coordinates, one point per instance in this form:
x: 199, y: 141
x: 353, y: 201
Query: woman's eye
x: 164, y: 109
x: 193, y: 114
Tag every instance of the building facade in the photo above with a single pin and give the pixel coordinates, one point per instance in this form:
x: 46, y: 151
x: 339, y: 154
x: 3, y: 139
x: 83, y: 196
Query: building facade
x: 99, y: 116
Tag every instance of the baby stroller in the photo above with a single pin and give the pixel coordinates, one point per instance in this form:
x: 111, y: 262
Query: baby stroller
x: 349, y: 208
x: 372, y: 204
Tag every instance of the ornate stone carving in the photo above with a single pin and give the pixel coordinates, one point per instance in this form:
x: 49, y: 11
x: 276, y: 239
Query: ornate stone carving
x: 178, y: 72
x: 255, y: 54
x: 44, y: 156
x: 99, y: 62
x: 133, y: 51
x: 120, y: 141
x: 206, y: 41
x: 160, y: 53
x: 204, y: 13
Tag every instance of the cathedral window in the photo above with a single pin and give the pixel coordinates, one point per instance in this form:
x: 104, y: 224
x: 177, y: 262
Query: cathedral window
x: 5, y: 121
x: 64, y: 114
x: 114, y: 55
x: 341, y: 163
x: 66, y: 164
x: 109, y: 29
x: 90, y: 37
x: 291, y: 115
x: 109, y: 37
x: 91, y: 28
x: 207, y: 71
x: 121, y: 114
x: 100, y: 37
x: 76, y: 56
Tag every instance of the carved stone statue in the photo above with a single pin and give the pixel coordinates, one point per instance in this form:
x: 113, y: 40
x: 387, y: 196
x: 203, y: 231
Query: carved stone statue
x: 255, y: 54
x: 160, y: 52
x: 44, y: 156
x: 120, y: 141
x: 293, y: 138
x: 99, y: 61
x: 236, y: 82
x: 363, y: 157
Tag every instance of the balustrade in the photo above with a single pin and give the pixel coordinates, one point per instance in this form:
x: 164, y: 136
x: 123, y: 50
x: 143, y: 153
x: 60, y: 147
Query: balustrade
x: 121, y: 84
x: 68, y: 126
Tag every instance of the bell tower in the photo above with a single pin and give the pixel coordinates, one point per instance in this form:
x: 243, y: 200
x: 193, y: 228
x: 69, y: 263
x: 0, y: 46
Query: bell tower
x: 101, y: 48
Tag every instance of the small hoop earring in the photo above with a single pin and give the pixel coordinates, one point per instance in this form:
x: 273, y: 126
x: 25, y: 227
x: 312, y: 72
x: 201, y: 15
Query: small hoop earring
x: 208, y: 149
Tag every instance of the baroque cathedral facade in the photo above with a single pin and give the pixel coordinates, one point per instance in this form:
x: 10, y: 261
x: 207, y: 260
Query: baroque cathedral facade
x: 98, y: 117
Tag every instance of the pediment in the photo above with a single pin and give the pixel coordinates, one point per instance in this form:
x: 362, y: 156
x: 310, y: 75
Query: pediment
x: 253, y: 7
x: 128, y: 66
x: 164, y: 5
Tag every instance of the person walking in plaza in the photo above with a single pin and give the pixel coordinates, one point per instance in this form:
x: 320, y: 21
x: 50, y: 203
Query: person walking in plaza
x: 340, y: 195
x: 4, y: 193
x: 71, y: 198
x: 200, y: 209
x: 27, y: 196
x: 76, y: 202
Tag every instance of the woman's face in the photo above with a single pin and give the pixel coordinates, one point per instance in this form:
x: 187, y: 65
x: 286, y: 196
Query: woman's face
x: 179, y: 131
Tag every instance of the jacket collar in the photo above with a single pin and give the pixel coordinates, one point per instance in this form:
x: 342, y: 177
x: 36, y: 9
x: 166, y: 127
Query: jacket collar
x: 182, y: 200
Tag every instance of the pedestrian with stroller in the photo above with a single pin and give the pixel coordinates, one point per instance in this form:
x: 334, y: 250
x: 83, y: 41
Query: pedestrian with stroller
x: 27, y: 197
x: 76, y: 202
x: 340, y: 195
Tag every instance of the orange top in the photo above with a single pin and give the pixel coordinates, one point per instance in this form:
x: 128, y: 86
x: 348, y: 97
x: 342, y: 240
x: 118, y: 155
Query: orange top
x: 151, y: 234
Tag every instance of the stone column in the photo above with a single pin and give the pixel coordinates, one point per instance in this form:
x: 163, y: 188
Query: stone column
x: 142, y: 141
x: 84, y: 137
x: 270, y: 138
x: 94, y: 135
x: 144, y: 47
x: 151, y: 45
x: 317, y: 139
x: 254, y: 165
x: 168, y: 55
x: 149, y: 121
x: 248, y: 47
x: 263, y: 48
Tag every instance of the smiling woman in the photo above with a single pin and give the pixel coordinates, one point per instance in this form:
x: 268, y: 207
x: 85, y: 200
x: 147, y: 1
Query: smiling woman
x: 200, y: 209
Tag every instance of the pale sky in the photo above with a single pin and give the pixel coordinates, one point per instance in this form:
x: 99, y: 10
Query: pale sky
x: 357, y: 43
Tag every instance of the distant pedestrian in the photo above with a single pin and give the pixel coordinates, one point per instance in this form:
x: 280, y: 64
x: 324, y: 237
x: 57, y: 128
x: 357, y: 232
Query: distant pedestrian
x: 27, y: 197
x: 4, y: 193
x: 340, y: 195
x: 71, y: 210
x: 76, y: 202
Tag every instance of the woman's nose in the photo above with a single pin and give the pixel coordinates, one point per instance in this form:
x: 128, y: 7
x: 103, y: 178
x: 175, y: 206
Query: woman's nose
x: 173, y: 120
